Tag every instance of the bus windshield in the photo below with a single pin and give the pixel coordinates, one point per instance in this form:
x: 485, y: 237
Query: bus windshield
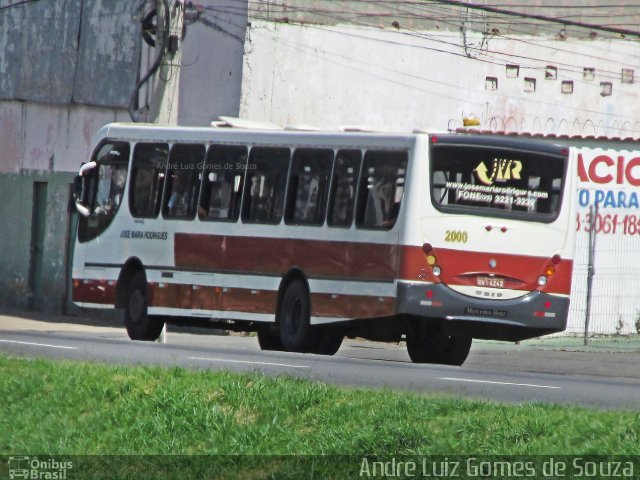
x: 492, y: 181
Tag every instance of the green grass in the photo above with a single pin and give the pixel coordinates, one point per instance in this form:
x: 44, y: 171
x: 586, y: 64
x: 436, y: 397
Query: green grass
x: 64, y: 408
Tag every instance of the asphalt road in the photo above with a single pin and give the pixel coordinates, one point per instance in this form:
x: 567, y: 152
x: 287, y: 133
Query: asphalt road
x: 506, y: 374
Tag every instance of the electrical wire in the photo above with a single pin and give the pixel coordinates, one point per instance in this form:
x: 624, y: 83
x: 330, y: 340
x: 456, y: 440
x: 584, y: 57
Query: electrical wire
x: 349, y: 62
x: 17, y: 4
x: 573, y: 68
x: 429, y: 13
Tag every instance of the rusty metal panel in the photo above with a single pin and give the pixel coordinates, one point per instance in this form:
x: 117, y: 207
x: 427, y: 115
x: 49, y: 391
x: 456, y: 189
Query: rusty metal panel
x: 44, y: 66
x: 109, y: 53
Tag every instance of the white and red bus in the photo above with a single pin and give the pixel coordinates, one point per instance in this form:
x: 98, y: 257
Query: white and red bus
x: 307, y: 237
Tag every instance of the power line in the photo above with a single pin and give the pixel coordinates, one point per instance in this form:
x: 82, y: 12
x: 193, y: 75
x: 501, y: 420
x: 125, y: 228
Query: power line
x: 335, y: 14
x: 544, y: 18
x: 348, y: 62
x: 17, y: 4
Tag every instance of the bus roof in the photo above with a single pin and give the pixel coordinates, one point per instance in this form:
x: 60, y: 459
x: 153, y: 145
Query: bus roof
x: 249, y: 132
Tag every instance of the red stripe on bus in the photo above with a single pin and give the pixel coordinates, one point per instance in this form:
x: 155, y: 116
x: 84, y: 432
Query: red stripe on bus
x: 264, y: 301
x: 362, y: 261
x: 351, y: 306
x: 94, y: 291
x: 274, y: 256
x: 212, y: 298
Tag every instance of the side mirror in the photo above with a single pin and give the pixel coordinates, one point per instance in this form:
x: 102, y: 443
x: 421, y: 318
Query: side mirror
x: 78, y: 188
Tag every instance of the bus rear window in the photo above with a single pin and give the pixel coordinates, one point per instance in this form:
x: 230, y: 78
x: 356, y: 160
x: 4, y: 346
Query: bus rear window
x: 497, y: 182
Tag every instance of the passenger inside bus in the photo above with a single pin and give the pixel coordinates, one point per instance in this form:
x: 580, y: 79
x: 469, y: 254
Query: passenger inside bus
x: 379, y: 205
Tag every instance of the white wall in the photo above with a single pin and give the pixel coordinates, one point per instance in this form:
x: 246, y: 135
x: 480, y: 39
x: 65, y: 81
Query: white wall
x: 401, y: 80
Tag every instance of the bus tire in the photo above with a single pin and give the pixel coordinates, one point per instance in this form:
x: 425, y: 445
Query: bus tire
x: 328, y: 341
x: 431, y: 346
x: 294, y: 319
x: 268, y: 339
x: 139, y: 324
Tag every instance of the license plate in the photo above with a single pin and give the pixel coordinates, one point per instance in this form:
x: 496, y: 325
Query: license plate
x: 492, y: 282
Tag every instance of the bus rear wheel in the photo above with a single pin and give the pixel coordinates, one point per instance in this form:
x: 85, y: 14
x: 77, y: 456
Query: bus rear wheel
x: 139, y: 324
x: 328, y: 341
x: 428, y: 345
x: 269, y: 338
x: 294, y: 319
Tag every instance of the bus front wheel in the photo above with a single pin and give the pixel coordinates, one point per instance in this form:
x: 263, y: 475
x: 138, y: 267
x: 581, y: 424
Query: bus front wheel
x: 294, y: 319
x: 140, y: 325
x: 426, y: 345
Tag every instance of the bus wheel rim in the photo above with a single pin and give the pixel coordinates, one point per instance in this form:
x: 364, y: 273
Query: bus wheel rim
x: 295, y: 312
x: 136, y: 306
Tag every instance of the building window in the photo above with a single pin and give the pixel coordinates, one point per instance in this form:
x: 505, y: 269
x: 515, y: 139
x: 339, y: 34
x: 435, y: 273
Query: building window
x: 513, y: 71
x: 627, y: 75
x: 551, y: 73
x: 529, y: 84
x: 567, y: 86
x: 588, y: 73
x: 491, y: 83
x: 606, y: 89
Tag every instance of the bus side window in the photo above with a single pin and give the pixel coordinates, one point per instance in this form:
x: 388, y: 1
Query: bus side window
x: 381, y: 189
x: 343, y: 188
x: 147, y: 178
x: 308, y: 184
x: 181, y: 191
x: 222, y: 183
x: 112, y: 162
x: 263, y: 199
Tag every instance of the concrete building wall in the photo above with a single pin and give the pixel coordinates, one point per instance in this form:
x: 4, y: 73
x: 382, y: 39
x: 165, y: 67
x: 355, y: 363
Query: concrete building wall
x: 44, y: 144
x: 60, y: 82
x: 17, y: 287
x: 211, y: 74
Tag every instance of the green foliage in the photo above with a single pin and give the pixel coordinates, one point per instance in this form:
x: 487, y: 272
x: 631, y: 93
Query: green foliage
x: 92, y: 409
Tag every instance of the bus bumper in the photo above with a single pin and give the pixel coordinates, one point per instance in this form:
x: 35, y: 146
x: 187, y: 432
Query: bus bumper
x: 520, y: 318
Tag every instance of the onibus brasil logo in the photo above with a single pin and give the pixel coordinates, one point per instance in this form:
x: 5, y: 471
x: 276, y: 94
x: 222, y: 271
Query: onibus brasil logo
x: 33, y: 468
x: 502, y: 169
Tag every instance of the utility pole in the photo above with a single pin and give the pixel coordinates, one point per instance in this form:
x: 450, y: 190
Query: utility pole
x: 164, y: 101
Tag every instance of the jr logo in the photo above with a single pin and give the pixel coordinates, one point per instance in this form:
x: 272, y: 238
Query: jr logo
x: 502, y: 169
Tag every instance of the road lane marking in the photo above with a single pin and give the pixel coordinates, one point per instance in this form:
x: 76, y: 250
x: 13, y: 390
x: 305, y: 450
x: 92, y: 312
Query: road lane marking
x: 248, y: 362
x: 469, y: 380
x: 39, y: 344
